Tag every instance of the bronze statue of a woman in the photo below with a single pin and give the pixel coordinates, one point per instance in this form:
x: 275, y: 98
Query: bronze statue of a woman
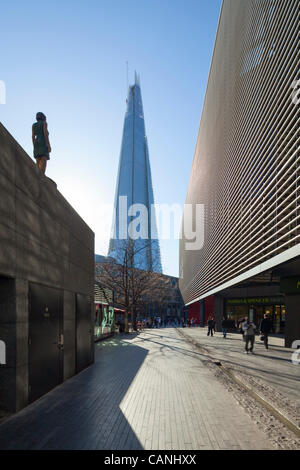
x: 40, y: 140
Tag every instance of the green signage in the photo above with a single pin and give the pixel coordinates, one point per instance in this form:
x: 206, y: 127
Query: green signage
x: 256, y: 301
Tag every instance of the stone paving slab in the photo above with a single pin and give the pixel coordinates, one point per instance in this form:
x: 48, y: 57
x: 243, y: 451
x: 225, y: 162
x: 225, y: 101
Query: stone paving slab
x: 147, y: 391
x: 273, y: 366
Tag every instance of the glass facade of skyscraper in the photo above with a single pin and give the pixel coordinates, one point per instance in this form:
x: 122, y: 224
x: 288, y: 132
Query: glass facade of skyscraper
x: 134, y: 201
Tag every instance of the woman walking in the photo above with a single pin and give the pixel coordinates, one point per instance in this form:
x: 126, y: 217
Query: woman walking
x: 41, y: 143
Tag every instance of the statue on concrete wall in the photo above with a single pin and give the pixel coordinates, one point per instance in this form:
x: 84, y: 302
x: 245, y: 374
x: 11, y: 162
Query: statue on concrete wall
x: 40, y: 140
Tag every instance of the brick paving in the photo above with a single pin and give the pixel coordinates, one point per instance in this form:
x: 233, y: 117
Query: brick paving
x: 273, y: 366
x: 150, y: 391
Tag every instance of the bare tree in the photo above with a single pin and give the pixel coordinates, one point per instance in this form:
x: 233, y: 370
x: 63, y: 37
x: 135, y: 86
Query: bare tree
x: 158, y: 293
x: 129, y: 282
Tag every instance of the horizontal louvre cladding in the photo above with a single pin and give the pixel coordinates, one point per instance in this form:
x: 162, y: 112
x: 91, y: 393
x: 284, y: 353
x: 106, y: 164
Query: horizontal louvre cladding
x: 246, y: 168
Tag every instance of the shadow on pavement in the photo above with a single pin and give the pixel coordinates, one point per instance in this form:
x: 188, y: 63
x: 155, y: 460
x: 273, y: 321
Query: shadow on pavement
x: 84, y: 412
x: 183, y: 351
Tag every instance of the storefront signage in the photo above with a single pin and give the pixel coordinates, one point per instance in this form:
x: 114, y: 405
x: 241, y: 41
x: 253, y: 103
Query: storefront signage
x: 290, y: 285
x: 256, y: 301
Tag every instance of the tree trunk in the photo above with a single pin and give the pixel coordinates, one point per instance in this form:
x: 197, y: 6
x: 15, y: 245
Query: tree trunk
x: 134, y: 319
x: 126, y: 321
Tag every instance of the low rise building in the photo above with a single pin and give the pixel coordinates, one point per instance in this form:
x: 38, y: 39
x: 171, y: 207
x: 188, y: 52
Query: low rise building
x: 46, y: 282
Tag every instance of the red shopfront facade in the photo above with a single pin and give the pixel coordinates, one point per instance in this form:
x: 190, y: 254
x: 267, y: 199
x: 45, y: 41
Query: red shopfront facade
x: 200, y: 311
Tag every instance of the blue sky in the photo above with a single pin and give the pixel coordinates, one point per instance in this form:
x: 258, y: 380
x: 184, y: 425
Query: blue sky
x: 68, y: 59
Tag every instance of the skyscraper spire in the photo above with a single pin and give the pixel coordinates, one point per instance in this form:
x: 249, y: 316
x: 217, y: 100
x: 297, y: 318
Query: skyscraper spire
x: 137, y: 79
x: 134, y: 202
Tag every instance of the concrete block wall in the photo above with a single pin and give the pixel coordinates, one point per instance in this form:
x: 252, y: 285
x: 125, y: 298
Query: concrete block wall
x: 218, y: 311
x: 69, y: 335
x: 8, y: 335
x: 292, y: 325
x: 42, y: 240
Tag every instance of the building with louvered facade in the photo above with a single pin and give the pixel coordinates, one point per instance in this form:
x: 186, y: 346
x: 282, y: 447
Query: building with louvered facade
x: 246, y: 172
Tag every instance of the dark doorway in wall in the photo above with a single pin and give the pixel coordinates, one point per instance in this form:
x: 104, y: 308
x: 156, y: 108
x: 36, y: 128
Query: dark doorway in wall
x: 83, y: 332
x: 45, y: 339
x: 7, y: 300
x: 7, y: 346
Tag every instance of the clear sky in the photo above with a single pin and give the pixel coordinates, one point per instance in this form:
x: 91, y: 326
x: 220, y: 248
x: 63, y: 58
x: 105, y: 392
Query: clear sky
x: 67, y: 58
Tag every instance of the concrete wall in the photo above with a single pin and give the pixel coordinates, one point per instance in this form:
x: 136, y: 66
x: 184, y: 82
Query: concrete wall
x: 218, y: 311
x: 8, y: 335
x: 292, y: 325
x: 43, y: 240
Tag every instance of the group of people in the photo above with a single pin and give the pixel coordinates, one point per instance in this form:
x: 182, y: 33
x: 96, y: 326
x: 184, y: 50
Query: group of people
x: 158, y: 322
x: 191, y: 322
x: 140, y: 325
x: 247, y: 328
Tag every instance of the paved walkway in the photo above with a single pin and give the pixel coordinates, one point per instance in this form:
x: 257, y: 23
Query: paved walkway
x: 273, y: 366
x: 150, y: 391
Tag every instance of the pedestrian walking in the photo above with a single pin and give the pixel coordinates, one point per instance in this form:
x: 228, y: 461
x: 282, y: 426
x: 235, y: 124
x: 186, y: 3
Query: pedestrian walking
x: 41, y: 143
x: 211, y: 326
x: 249, y: 335
x: 121, y: 326
x: 224, y: 327
x: 265, y: 328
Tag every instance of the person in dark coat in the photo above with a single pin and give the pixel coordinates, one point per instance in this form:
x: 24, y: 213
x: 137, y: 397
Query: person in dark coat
x: 224, y: 327
x: 211, y: 326
x: 265, y: 329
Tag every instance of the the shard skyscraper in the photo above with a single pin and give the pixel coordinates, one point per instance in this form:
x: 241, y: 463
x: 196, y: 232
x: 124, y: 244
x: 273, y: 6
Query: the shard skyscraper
x: 134, y: 221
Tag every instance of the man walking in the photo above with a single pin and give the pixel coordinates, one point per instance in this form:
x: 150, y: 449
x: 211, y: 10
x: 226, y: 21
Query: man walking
x: 224, y: 327
x: 249, y: 335
x: 265, y: 329
x: 211, y: 326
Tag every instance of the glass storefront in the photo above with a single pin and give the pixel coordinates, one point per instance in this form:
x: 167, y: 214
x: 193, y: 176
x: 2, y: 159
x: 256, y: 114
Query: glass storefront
x: 255, y: 309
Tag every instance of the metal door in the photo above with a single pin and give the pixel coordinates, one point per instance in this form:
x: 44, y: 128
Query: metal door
x: 45, y: 339
x: 83, y: 332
